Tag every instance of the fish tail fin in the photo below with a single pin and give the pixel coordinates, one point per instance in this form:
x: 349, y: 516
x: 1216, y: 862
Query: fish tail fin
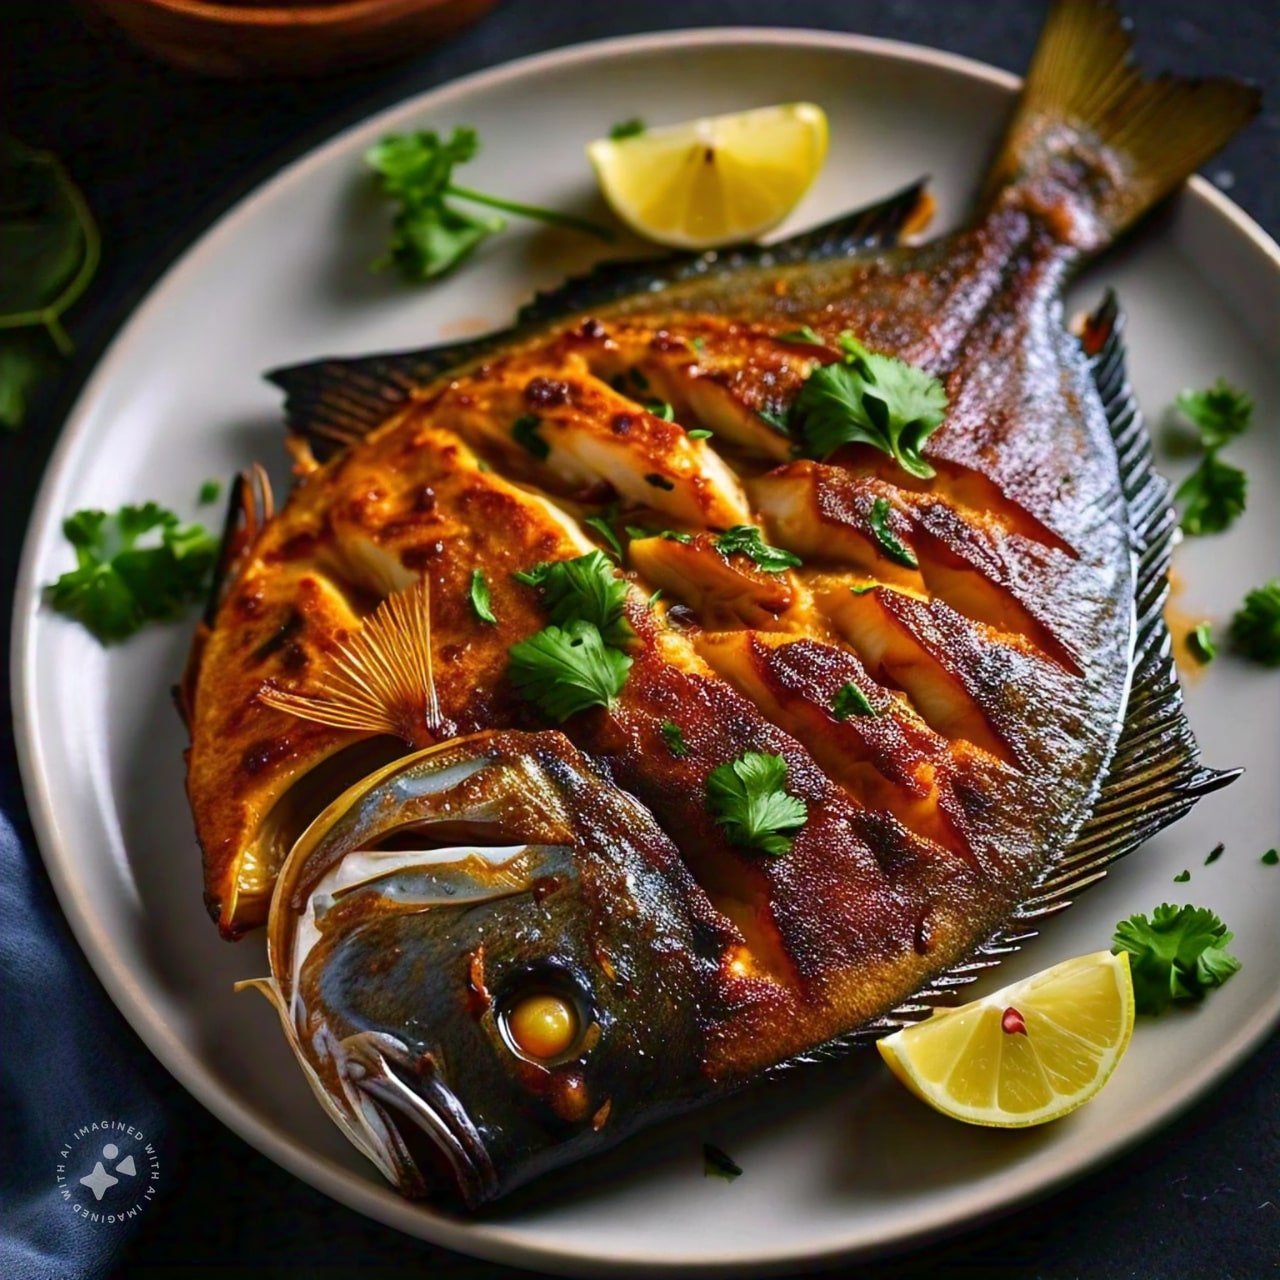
x: 1094, y: 143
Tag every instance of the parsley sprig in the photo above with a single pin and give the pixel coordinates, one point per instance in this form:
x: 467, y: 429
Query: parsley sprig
x: 430, y: 234
x: 747, y: 540
x: 869, y: 398
x: 1255, y: 626
x: 1212, y: 496
x: 749, y: 799
x: 124, y: 578
x: 563, y: 670
x: 586, y: 587
x: 1176, y: 953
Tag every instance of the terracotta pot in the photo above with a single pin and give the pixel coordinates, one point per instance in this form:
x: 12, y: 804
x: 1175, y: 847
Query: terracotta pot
x: 309, y: 38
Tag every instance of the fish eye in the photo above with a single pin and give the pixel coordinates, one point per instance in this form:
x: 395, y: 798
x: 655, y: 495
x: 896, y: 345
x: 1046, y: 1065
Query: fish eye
x: 545, y: 1020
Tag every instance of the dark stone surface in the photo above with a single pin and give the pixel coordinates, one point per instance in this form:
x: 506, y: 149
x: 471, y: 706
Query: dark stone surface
x: 158, y: 154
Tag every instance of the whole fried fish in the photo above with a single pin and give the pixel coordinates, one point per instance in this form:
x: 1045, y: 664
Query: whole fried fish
x: 521, y: 929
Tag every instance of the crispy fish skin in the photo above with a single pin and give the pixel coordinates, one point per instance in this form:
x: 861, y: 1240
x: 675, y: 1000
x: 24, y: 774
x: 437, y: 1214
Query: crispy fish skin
x: 995, y: 645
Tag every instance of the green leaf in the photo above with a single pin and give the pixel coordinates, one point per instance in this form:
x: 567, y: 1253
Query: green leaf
x: 121, y: 582
x: 1200, y: 643
x: 564, y: 670
x: 851, y: 701
x: 587, y: 587
x: 749, y: 799
x: 209, y: 492
x: 661, y: 409
x: 525, y: 433
x: 1182, y: 877
x: 1178, y: 953
x: 480, y: 601
x: 627, y: 129
x: 747, y: 540
x: 49, y: 246
x: 803, y: 334
x: 719, y: 1164
x: 1220, y: 412
x: 890, y: 544
x: 1271, y: 857
x: 1212, y: 496
x: 872, y: 399
x: 1255, y: 626
x: 1215, y: 853
x: 699, y: 433
x: 605, y: 529
x: 673, y: 736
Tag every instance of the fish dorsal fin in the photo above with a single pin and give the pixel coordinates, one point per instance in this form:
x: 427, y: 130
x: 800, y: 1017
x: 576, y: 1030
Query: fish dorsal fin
x: 1154, y: 776
x: 877, y: 226
x: 379, y: 681
x: 334, y: 402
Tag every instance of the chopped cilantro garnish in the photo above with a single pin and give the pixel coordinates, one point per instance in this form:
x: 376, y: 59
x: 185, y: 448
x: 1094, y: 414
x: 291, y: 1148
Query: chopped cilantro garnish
x: 1220, y: 412
x: 525, y: 433
x: 747, y: 540
x: 563, y: 670
x: 209, y: 492
x: 1215, y: 853
x: 480, y: 597
x: 1200, y: 643
x: 661, y: 409
x: 673, y: 736
x: 699, y: 433
x: 890, y: 543
x: 118, y: 584
x: 429, y: 234
x: 869, y: 398
x: 749, y: 799
x: 1212, y: 496
x: 717, y: 1164
x: 776, y: 418
x: 850, y: 701
x: 1255, y: 627
x: 1178, y: 953
x: 1182, y: 877
x: 586, y: 587
x: 1271, y: 857
x: 627, y: 129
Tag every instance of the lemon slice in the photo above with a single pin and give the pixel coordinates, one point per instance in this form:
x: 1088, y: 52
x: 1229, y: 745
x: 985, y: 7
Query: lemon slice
x: 1026, y: 1054
x: 714, y: 181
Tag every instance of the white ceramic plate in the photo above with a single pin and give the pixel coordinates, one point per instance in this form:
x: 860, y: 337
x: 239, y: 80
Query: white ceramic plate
x: 843, y: 1161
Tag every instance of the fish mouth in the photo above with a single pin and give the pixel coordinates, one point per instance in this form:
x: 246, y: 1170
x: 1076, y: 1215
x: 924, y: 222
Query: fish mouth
x: 417, y: 1093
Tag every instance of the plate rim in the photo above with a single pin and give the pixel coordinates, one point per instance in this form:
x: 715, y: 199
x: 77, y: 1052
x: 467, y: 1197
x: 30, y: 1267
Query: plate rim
x: 488, y: 1240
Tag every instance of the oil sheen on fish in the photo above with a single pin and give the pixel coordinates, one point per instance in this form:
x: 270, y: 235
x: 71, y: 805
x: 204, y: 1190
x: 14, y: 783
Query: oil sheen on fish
x: 510, y: 940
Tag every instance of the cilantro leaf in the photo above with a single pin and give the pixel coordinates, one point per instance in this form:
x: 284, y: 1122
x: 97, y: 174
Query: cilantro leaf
x: 1212, y: 496
x: 1255, y: 627
x: 747, y: 540
x: 563, y: 670
x: 480, y: 601
x: 804, y: 334
x: 699, y: 433
x: 118, y: 584
x: 586, y: 587
x: 673, y: 736
x: 1200, y: 643
x: 209, y: 492
x: 524, y: 430
x: 1177, y: 953
x: 661, y: 409
x: 429, y: 235
x: 890, y: 543
x: 1270, y: 858
x: 1221, y: 412
x: 851, y: 701
x: 870, y: 398
x: 627, y: 129
x: 749, y: 799
x: 603, y: 526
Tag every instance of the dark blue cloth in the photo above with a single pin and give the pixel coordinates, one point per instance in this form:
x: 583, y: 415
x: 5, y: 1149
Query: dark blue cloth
x: 158, y: 153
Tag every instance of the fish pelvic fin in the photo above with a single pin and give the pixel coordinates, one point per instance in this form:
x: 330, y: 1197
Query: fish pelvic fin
x: 1094, y: 143
x: 379, y: 681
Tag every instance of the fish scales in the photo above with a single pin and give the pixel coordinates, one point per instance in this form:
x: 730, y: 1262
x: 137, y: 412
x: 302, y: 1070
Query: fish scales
x: 430, y: 852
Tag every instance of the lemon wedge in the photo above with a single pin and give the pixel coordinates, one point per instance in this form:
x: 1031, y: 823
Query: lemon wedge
x: 718, y: 180
x: 1026, y: 1054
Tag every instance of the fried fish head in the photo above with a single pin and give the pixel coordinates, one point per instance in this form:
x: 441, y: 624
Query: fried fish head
x: 490, y: 961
